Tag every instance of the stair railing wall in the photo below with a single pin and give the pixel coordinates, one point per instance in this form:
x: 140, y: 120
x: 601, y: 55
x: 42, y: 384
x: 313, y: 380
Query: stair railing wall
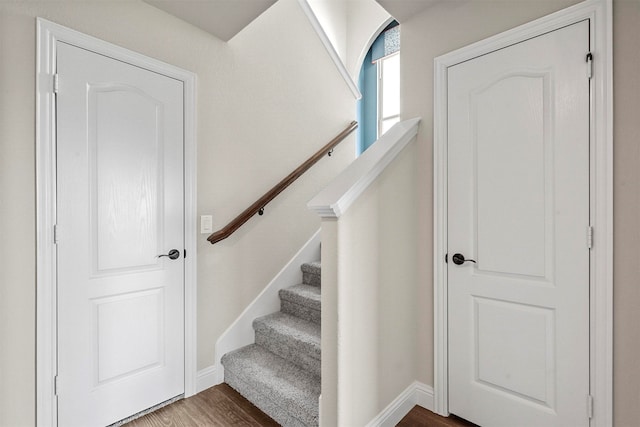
x: 370, y: 297
x: 258, y: 206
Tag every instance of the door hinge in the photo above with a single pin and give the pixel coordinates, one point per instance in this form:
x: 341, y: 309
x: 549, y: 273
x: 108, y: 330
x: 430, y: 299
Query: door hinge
x: 55, y: 234
x: 589, y: 60
x: 56, y: 83
x: 589, y: 237
x: 590, y: 406
x: 56, y: 385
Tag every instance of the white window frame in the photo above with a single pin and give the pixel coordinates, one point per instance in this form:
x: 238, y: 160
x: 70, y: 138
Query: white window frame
x: 380, y: 97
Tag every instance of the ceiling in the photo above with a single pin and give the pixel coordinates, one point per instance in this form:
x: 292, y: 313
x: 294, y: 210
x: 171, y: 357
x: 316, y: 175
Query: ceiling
x: 222, y: 18
x: 226, y: 18
x: 402, y: 10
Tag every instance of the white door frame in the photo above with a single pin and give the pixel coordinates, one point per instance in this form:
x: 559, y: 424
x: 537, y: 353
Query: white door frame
x: 48, y: 34
x: 601, y: 195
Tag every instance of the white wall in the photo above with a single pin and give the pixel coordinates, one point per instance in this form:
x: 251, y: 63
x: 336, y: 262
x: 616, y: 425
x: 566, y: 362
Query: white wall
x: 450, y: 25
x: 332, y: 16
x: 266, y: 101
x: 370, y: 299
x: 379, y: 295
x: 365, y: 20
x: 351, y: 26
x: 439, y: 29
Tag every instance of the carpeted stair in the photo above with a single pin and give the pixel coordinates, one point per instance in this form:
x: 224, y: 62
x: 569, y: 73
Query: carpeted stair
x: 280, y: 373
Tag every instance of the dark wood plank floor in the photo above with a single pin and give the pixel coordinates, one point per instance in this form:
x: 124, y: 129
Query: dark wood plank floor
x: 420, y: 417
x: 223, y: 406
x: 217, y: 406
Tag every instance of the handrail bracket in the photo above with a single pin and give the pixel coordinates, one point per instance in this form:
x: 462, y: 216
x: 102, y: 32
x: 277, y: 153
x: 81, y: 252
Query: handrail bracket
x: 259, y: 205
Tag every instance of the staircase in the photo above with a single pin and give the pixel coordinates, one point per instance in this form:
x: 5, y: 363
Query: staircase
x: 280, y: 372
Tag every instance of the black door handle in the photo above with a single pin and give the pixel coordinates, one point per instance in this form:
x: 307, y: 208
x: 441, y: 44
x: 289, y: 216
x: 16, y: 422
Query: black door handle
x: 458, y: 259
x: 173, y: 254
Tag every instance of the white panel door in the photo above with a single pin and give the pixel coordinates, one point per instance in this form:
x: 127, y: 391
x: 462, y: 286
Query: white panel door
x: 518, y: 212
x: 119, y: 206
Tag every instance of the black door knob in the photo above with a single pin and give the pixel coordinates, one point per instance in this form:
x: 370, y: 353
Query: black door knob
x: 458, y: 259
x: 173, y: 254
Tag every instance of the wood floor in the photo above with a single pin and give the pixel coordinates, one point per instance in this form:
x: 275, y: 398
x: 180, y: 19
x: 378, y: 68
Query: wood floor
x: 223, y: 406
x: 420, y: 417
x: 217, y: 406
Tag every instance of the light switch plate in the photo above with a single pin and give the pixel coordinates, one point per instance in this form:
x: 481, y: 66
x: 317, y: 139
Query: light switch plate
x: 206, y: 224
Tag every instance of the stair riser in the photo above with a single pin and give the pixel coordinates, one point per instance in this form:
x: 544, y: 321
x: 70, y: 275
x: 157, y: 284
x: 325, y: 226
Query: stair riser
x: 280, y: 415
x: 304, y: 356
x: 301, y: 311
x: 311, y: 279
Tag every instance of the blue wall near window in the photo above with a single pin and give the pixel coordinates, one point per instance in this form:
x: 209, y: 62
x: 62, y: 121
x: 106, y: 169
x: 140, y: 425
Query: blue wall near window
x: 367, y: 109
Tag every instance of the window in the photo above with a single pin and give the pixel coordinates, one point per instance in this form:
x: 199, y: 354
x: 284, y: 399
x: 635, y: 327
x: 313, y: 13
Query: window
x: 379, y: 82
x: 388, y: 92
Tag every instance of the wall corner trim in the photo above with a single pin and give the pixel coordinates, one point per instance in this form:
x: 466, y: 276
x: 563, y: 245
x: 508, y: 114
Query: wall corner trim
x: 338, y: 196
x: 416, y: 394
x: 342, y: 69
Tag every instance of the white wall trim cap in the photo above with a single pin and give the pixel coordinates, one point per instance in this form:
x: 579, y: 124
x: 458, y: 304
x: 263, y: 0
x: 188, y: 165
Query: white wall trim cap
x: 331, y: 50
x: 336, y: 198
x: 416, y: 394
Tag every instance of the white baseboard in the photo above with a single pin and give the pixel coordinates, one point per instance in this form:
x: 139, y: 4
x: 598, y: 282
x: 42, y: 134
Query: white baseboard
x: 416, y: 394
x: 424, y: 396
x: 241, y: 333
x: 205, y: 378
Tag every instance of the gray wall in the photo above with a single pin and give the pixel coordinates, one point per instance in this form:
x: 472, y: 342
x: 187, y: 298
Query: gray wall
x: 249, y: 90
x: 258, y: 119
x: 626, y: 205
x: 454, y: 24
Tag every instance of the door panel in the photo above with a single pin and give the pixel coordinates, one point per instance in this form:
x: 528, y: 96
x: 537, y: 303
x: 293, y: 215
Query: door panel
x: 518, y: 205
x: 517, y: 366
x: 119, y: 206
x: 519, y: 145
x: 129, y: 334
x: 125, y: 241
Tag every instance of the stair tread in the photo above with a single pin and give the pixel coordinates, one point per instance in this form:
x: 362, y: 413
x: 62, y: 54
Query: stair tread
x: 306, y: 333
x: 282, y: 382
x: 291, y: 325
x: 308, y: 295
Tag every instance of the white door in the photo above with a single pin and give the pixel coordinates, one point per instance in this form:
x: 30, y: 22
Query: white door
x: 119, y: 205
x: 518, y: 212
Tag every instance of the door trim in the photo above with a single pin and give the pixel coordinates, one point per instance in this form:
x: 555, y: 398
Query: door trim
x: 599, y: 12
x: 48, y: 34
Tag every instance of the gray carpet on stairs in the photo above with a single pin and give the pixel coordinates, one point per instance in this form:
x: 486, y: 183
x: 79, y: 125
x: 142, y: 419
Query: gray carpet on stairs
x: 301, y: 301
x: 311, y: 273
x: 291, y: 338
x: 280, y: 373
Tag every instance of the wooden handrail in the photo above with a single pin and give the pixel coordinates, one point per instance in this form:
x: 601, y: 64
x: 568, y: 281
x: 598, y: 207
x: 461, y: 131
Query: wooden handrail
x: 259, y: 204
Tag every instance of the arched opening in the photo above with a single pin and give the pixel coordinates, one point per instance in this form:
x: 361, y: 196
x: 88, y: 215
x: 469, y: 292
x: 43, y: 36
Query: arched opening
x: 379, y: 83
